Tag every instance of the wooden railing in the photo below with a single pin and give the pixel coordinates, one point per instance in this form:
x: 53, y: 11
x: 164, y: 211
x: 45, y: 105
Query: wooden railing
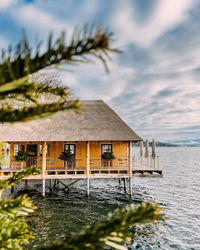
x: 52, y: 163
x: 149, y: 163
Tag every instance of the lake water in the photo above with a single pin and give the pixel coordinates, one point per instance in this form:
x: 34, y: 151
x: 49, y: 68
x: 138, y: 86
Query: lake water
x: 178, y: 192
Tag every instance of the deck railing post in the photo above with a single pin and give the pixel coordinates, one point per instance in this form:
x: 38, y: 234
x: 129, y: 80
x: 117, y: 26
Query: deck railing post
x: 141, y: 153
x: 130, y: 168
x: 43, y: 168
x: 88, y: 168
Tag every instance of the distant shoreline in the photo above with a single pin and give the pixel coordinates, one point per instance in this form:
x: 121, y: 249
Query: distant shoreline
x: 170, y: 145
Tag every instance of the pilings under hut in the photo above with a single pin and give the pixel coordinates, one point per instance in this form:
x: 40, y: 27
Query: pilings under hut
x: 43, y: 168
x: 87, y: 177
x: 130, y: 170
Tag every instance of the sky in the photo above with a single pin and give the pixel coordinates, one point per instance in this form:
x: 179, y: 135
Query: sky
x: 154, y: 85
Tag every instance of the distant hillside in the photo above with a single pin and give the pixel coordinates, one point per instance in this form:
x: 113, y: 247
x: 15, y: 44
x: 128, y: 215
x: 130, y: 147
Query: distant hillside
x: 158, y: 144
x: 165, y: 144
x: 178, y: 143
x: 188, y: 143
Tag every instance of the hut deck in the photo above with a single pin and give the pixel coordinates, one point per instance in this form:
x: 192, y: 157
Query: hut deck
x: 81, y: 173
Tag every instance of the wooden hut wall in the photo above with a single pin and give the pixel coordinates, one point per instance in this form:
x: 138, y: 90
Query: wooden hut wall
x: 119, y: 150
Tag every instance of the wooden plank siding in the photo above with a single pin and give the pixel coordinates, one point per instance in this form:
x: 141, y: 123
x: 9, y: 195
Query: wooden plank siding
x: 119, y: 149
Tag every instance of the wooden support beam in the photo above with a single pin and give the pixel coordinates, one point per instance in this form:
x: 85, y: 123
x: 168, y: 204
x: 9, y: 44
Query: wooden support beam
x: 50, y: 185
x: 43, y: 167
x: 130, y: 168
x: 88, y: 168
x: 43, y: 188
x: 125, y: 184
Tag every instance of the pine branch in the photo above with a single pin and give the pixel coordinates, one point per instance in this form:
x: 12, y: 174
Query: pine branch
x: 117, y: 228
x: 13, y: 228
x: 21, y: 206
x: 17, y: 177
x: 21, y: 95
x: 23, y: 100
x: 85, y: 43
x: 38, y: 111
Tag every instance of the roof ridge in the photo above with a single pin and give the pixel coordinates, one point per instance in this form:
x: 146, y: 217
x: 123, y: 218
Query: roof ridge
x: 121, y: 119
x: 98, y: 122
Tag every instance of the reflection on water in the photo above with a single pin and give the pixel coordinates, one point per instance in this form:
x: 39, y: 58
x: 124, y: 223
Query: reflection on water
x: 178, y: 192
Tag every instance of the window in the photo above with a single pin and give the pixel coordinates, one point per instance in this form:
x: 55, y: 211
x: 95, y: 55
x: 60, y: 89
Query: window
x: 47, y: 149
x: 106, y: 148
x: 40, y: 150
x: 22, y: 147
x: 6, y: 148
x: 16, y: 149
x: 71, y: 147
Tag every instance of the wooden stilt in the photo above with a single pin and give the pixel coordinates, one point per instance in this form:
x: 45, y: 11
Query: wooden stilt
x: 43, y: 167
x: 88, y: 169
x: 12, y: 189
x: 119, y: 181
x: 26, y: 182
x: 88, y: 187
x: 130, y: 169
x: 130, y: 187
x: 50, y: 185
x: 43, y: 188
x: 124, y: 179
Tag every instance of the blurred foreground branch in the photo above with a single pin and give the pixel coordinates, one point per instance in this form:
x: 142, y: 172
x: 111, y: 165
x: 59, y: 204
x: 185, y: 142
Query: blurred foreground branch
x: 115, y: 231
x: 24, y: 96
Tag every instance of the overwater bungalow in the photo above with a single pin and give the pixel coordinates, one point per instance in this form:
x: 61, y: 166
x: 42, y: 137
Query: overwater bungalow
x: 87, y: 136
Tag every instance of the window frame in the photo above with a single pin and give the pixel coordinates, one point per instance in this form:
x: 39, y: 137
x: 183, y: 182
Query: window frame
x: 15, y: 149
x: 105, y: 163
x: 73, y: 163
x: 48, y: 150
x: 106, y: 144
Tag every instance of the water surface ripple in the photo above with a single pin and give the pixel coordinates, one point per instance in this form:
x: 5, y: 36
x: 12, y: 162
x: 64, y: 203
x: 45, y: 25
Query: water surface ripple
x: 178, y: 192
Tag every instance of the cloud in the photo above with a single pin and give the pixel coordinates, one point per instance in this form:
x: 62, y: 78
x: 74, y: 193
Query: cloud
x: 3, y: 42
x: 6, y: 3
x: 38, y: 21
x: 92, y: 82
x: 164, y: 16
x: 154, y: 84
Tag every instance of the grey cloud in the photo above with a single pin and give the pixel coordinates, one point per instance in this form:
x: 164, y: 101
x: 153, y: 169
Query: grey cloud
x: 192, y: 128
x: 154, y: 96
x: 136, y: 56
x: 183, y: 39
x: 167, y: 92
x: 143, y: 10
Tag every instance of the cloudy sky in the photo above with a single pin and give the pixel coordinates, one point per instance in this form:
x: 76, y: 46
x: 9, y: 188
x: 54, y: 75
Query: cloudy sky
x: 154, y: 85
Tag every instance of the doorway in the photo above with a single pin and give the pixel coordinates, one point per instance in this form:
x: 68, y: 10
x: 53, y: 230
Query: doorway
x: 32, y: 155
x: 72, y: 148
x: 106, y: 148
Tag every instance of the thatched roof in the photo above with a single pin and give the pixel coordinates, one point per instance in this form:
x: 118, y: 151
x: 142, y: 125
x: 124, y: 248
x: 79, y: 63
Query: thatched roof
x: 98, y: 122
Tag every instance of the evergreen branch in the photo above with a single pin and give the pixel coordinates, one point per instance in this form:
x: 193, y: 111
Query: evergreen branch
x: 26, y: 89
x: 37, y: 111
x: 117, y: 228
x: 13, y: 227
x: 14, y: 233
x: 21, y: 206
x: 84, y: 44
x: 28, y: 100
x: 17, y: 177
